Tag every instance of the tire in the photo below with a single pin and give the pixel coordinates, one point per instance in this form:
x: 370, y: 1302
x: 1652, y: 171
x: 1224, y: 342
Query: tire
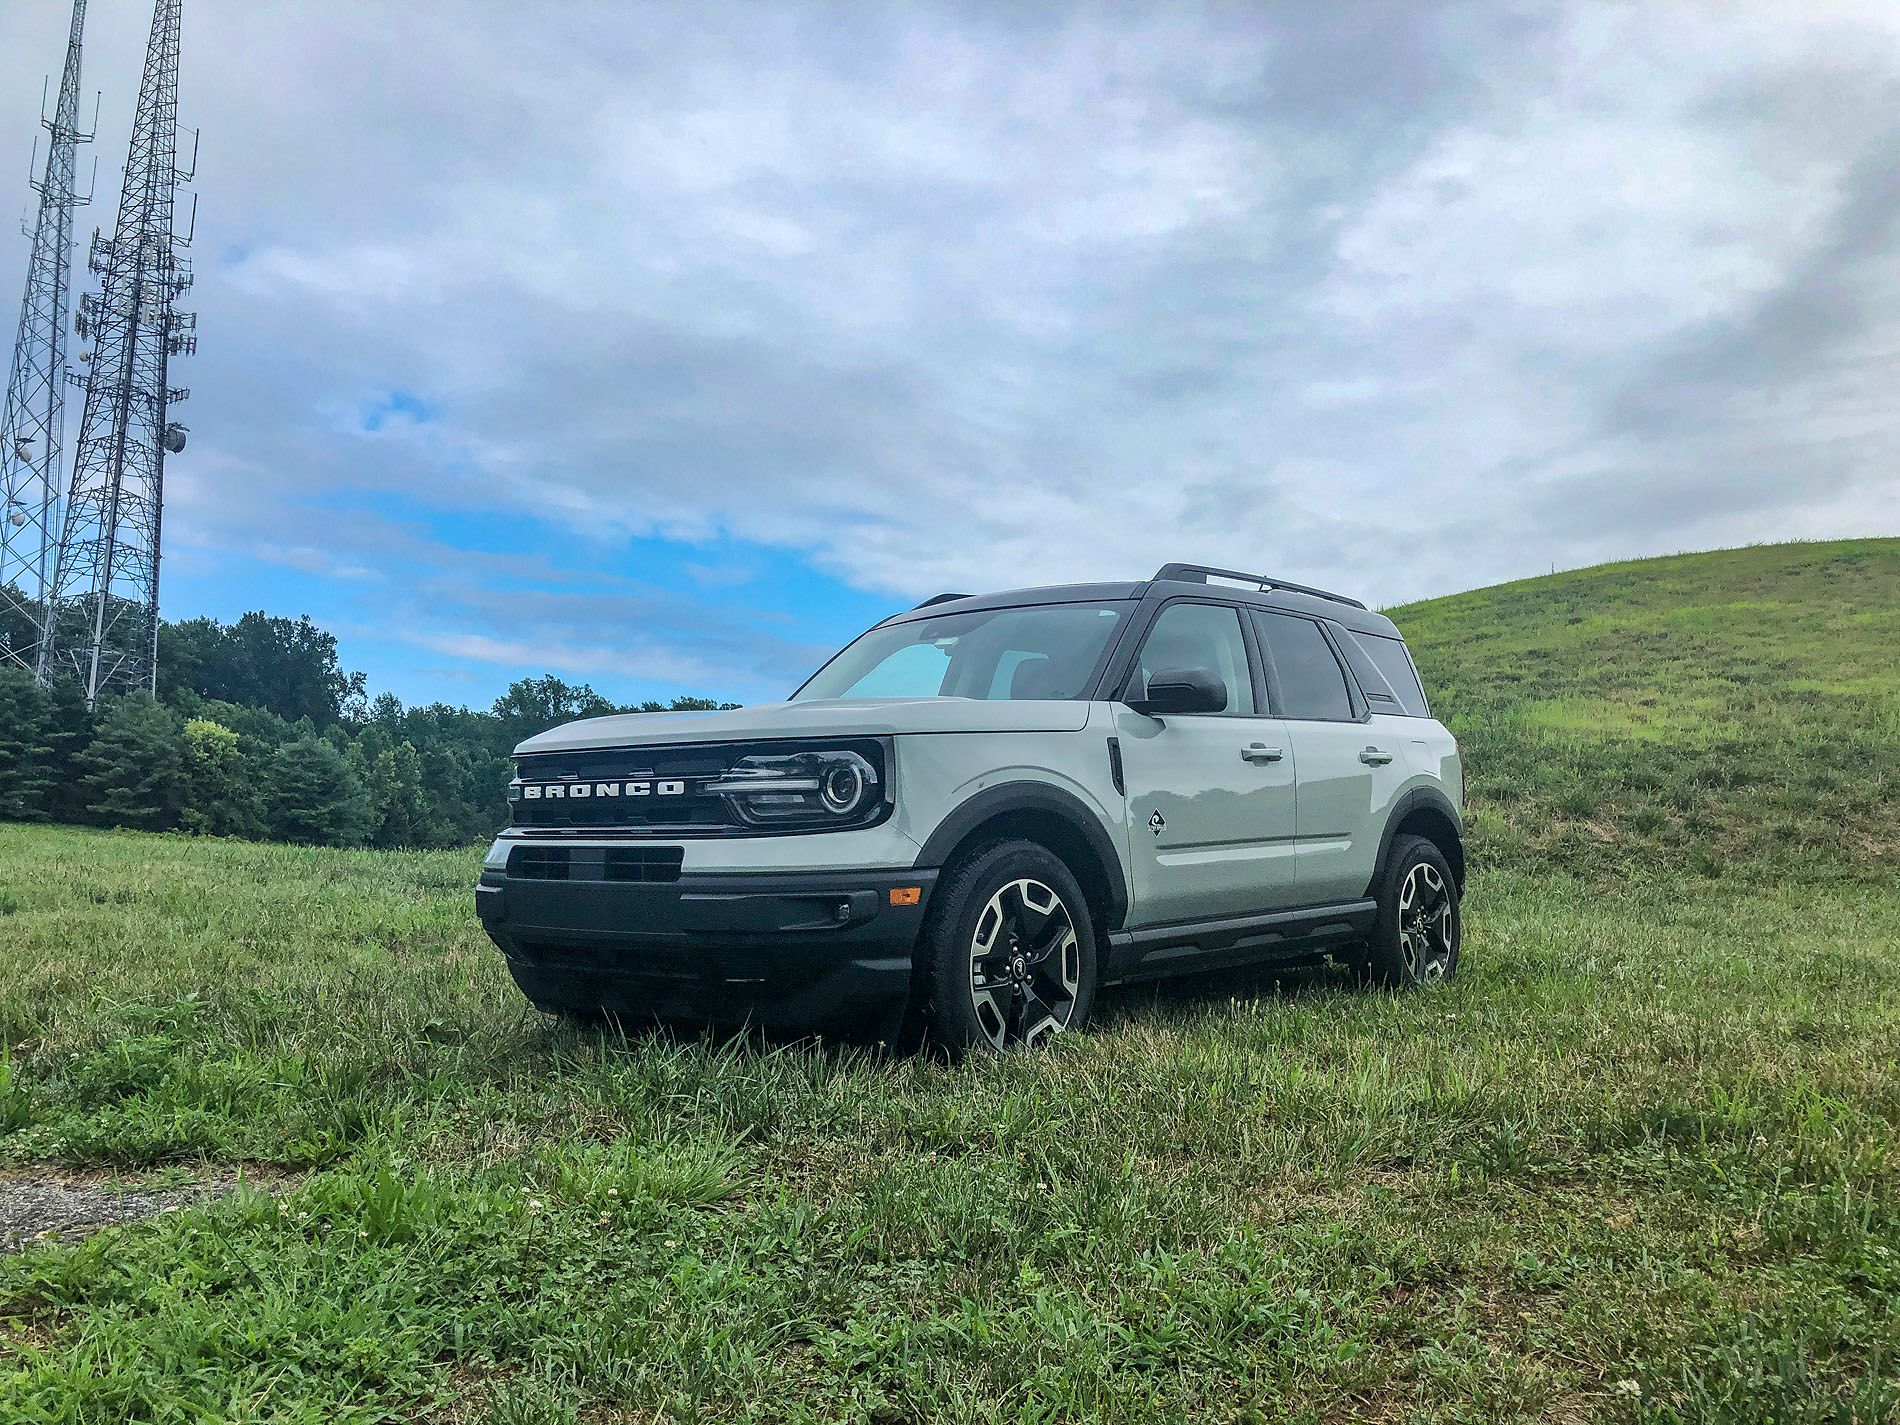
x: 1012, y: 959
x: 1416, y: 938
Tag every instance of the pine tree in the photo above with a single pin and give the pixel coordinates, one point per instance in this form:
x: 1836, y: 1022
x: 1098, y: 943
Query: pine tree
x: 69, y: 729
x: 313, y: 795
x: 26, y: 774
x: 132, y: 772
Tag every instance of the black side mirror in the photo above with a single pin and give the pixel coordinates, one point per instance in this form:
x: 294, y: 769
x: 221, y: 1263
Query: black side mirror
x: 1179, y: 691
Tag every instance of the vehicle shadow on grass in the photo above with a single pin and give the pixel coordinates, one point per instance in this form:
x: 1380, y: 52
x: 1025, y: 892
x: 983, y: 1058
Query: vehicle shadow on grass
x: 1176, y: 997
x: 634, y: 1033
x: 1186, y: 994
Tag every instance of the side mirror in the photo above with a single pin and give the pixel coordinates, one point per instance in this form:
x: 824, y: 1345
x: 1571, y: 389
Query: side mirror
x: 1178, y: 691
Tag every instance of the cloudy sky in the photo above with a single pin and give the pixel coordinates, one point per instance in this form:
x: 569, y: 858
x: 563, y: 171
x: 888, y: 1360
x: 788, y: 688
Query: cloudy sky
x: 665, y: 346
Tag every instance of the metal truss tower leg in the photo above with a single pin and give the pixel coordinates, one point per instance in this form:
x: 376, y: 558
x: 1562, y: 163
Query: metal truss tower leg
x: 33, y: 419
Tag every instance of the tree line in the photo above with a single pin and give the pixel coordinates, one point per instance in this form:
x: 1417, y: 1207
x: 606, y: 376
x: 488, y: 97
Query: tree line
x: 258, y: 732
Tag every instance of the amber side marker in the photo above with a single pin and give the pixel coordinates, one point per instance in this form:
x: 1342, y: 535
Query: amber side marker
x: 906, y: 895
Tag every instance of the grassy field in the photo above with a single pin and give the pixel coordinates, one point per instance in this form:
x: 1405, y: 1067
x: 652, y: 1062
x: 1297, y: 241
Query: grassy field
x: 1727, y: 714
x: 1640, y: 1163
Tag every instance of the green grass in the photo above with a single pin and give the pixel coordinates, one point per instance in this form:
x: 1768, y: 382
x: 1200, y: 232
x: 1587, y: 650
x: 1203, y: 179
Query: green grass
x: 1640, y: 1163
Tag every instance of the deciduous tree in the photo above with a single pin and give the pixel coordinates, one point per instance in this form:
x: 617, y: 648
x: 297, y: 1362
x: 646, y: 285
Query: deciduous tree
x: 221, y: 795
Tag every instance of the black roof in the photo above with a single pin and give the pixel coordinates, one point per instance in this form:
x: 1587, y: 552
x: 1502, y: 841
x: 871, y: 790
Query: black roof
x: 1293, y: 599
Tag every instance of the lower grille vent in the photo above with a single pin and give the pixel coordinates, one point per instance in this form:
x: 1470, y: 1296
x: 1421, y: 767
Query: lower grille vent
x: 643, y: 865
x: 651, y: 864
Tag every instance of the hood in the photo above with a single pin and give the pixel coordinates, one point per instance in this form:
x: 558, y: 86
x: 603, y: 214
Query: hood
x: 819, y: 717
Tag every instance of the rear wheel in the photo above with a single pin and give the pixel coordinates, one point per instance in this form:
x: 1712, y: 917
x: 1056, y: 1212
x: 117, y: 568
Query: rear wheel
x: 1416, y: 940
x: 1012, y: 952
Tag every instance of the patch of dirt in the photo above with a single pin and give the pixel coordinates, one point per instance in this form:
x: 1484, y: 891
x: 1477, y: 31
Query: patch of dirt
x: 47, y: 1202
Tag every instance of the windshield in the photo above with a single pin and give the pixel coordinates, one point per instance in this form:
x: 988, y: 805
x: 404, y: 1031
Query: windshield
x: 1046, y: 651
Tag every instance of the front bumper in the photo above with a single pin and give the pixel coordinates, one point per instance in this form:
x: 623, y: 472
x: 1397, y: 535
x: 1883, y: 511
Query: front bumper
x: 807, y: 950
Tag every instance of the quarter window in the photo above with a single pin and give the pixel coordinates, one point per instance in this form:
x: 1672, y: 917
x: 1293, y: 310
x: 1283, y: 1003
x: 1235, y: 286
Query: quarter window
x: 1379, y: 694
x: 1309, y: 680
x: 1394, y: 663
x: 1199, y: 636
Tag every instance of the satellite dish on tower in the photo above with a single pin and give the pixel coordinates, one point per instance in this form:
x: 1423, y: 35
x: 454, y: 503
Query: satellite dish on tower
x: 175, y: 437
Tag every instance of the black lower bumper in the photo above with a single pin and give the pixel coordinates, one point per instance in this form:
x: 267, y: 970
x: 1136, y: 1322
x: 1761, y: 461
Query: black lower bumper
x: 796, y: 951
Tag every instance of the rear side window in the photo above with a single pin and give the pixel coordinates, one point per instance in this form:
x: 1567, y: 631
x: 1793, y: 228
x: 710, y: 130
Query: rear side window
x: 1308, y: 678
x: 1394, y: 664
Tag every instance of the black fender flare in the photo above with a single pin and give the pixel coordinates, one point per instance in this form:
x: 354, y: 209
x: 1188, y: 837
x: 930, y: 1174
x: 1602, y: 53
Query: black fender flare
x: 1038, y: 797
x: 1430, y: 798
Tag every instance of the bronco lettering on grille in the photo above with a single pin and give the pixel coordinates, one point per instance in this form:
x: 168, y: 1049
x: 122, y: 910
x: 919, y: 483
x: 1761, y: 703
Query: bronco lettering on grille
x: 577, y: 791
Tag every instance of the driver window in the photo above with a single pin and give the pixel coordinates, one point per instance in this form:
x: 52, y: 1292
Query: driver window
x: 1199, y: 636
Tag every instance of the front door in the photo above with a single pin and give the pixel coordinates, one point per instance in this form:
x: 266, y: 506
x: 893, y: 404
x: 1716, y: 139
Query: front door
x: 1210, y: 804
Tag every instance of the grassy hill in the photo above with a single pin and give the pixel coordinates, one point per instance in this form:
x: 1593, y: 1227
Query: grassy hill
x: 1737, y: 712
x: 1639, y: 1163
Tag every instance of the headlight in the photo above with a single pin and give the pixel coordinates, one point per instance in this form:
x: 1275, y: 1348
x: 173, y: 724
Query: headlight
x: 836, y: 788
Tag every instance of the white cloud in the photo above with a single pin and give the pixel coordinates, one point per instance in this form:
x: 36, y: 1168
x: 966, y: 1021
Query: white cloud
x: 1392, y: 300
x: 580, y: 660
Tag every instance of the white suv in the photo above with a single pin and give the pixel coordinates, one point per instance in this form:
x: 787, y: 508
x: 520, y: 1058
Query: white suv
x: 986, y: 808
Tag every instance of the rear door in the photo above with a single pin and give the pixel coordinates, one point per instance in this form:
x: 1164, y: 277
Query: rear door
x: 1349, y: 764
x: 1210, y: 803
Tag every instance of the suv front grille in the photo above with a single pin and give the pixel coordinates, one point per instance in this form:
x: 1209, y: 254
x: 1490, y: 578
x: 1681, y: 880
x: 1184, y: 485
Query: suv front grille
x: 645, y: 789
x: 655, y: 791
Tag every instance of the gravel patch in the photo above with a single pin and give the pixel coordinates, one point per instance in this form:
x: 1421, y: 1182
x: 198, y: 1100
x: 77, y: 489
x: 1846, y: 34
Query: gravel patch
x: 43, y: 1202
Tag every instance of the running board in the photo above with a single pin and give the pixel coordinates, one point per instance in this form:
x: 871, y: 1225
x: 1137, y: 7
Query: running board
x: 1236, y: 940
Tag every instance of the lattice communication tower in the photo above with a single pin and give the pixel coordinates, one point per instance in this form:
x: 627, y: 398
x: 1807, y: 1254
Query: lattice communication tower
x: 102, y: 606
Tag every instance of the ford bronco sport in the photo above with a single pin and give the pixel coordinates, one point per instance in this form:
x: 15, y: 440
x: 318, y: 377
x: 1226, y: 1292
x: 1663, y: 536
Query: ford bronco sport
x: 986, y: 808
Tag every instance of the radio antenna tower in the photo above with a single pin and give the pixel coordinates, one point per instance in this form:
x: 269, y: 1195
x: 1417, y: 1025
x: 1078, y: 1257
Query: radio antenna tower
x: 32, y: 422
x: 102, y: 618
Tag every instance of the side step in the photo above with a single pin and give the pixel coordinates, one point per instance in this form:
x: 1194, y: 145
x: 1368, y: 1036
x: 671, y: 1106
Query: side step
x: 1152, y: 951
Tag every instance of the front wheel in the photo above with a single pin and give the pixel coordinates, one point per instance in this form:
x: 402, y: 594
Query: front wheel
x: 1415, y: 942
x: 1012, y: 952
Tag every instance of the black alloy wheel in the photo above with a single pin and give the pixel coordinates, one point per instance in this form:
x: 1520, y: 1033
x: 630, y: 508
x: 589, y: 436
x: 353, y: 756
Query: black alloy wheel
x: 1025, y: 965
x: 1011, y: 951
x: 1425, y: 924
x: 1416, y: 940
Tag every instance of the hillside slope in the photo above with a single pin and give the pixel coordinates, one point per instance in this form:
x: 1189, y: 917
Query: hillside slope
x: 1734, y: 712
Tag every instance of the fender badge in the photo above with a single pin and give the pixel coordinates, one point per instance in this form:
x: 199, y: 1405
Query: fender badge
x: 1157, y: 823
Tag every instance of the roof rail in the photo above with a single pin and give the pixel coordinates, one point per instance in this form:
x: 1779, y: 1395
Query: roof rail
x: 1201, y: 573
x: 939, y: 599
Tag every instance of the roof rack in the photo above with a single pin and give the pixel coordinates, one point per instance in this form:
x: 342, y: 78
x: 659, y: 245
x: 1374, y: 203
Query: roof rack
x: 939, y: 599
x: 1202, y: 573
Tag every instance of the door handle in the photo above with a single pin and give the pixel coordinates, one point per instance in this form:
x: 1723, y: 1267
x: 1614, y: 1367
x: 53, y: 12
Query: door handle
x: 1260, y: 752
x: 1375, y: 757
